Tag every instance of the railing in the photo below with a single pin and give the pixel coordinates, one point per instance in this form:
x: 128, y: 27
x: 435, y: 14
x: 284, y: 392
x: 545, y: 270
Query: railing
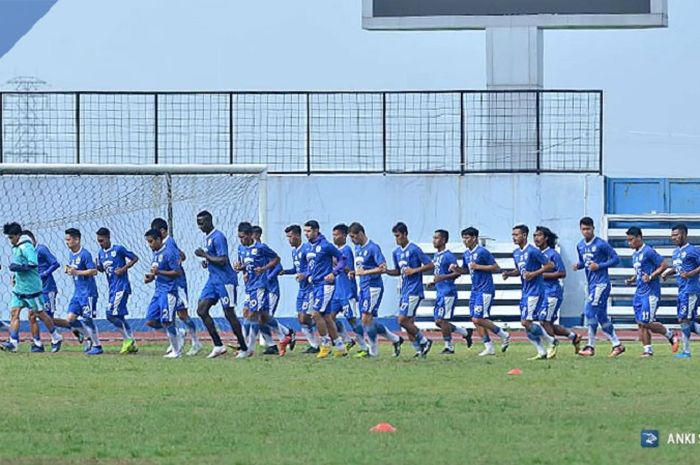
x: 311, y: 132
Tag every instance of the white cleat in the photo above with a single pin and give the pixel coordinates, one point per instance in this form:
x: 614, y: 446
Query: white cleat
x: 196, y: 348
x: 169, y: 349
x: 217, y: 351
x: 486, y: 352
x: 244, y: 354
x: 172, y: 354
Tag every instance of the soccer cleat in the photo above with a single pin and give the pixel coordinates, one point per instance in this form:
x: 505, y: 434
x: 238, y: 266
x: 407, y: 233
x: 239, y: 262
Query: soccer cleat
x: 284, y: 343
x: 56, y: 346
x: 425, y: 348
x: 79, y: 336
x: 468, y: 338
x: 37, y: 349
x: 361, y: 354
x: 589, y: 351
x: 172, y: 354
x: 169, y: 349
x: 244, y: 354
x: 217, y: 351
x: 447, y: 351
x: 577, y: 344
x: 487, y: 352
x: 8, y: 347
x: 87, y: 345
x: 674, y: 343
x: 293, y: 341
x: 95, y: 350
x: 397, y: 347
x: 311, y: 350
x: 125, y: 347
x: 647, y: 354
x: 552, y: 351
x: 505, y: 343
x: 324, y: 352
x: 195, y: 349
x: 350, y: 344
x: 271, y: 350
x: 539, y: 357
x: 339, y: 353
x: 617, y: 351
x: 683, y: 355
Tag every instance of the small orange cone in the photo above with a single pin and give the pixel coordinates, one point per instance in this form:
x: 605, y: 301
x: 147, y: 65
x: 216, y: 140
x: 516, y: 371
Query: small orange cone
x: 515, y: 372
x: 383, y: 428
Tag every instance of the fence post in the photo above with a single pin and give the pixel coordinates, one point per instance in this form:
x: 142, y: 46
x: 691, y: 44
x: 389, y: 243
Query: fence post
x: 2, y: 157
x: 600, y: 137
x: 538, y: 128
x: 308, y: 134
x: 230, y: 128
x: 77, y: 127
x: 155, y: 127
x: 384, y: 154
x: 462, y: 141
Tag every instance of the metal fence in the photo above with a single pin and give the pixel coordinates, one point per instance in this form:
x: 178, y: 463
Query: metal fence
x: 311, y: 132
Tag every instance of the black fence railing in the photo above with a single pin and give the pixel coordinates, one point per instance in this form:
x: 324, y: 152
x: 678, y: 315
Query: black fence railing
x: 311, y: 132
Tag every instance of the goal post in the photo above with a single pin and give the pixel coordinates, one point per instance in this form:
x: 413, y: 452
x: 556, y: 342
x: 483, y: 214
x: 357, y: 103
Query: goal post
x: 49, y: 198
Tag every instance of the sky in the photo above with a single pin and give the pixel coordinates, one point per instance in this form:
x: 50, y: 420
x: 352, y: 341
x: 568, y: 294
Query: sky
x: 649, y: 77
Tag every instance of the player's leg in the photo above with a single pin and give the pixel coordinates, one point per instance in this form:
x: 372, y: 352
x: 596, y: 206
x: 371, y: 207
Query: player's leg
x: 542, y: 314
x: 16, y: 306
x: 528, y: 306
x: 479, y: 306
x: 204, y: 305
x: 351, y: 312
x: 39, y: 308
x: 168, y: 304
x: 324, y: 310
x: 228, y: 304
x: 653, y: 326
x: 686, y: 312
x: 257, y: 303
x: 88, y: 315
x: 376, y: 294
x: 184, y: 315
x: 317, y: 296
x: 35, y: 332
x: 407, y: 313
x: 484, y: 320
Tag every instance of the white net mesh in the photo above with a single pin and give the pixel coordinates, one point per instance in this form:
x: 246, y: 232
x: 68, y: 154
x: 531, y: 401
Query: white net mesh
x: 125, y: 204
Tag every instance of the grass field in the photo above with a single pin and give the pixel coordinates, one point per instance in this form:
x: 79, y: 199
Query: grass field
x: 142, y: 409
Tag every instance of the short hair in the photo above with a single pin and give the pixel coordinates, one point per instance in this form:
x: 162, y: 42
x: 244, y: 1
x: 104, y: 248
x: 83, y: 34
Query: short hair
x: 74, y: 233
x: 400, y: 228
x: 154, y: 233
x: 634, y: 231
x: 342, y: 227
x: 27, y: 232
x: 549, y: 236
x: 313, y: 224
x: 159, y: 223
x: 205, y: 214
x: 680, y: 227
x: 443, y: 233
x: 356, y: 228
x: 586, y: 221
x: 103, y: 232
x: 245, y: 227
x: 12, y: 229
x: 470, y: 231
x: 256, y: 229
x: 294, y: 229
x: 522, y: 228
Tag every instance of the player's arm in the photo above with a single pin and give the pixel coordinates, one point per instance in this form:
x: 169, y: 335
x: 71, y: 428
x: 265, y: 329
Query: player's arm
x: 490, y: 266
x: 546, y: 265
x: 427, y: 265
x: 559, y: 265
x: 219, y: 256
x: 29, y: 253
x: 49, y: 258
x: 90, y: 268
x: 612, y: 260
x: 580, y: 265
x: 449, y: 276
x: 273, y: 261
x: 661, y: 266
x: 131, y: 259
x: 174, y: 265
x: 511, y: 273
x: 396, y: 271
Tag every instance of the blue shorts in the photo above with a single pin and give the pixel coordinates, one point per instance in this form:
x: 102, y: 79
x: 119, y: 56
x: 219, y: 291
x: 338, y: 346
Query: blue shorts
x: 645, y: 307
x: 408, y: 304
x: 322, y: 295
x: 182, y: 298
x: 370, y: 299
x: 34, y: 302
x: 480, y: 304
x: 529, y: 307
x: 117, y: 304
x: 303, y: 300
x: 687, y: 307
x: 162, y: 307
x: 549, y: 308
x: 50, y: 303
x: 444, y: 307
x: 596, y: 309
x: 273, y: 299
x: 257, y: 300
x: 83, y: 306
x: 225, y: 294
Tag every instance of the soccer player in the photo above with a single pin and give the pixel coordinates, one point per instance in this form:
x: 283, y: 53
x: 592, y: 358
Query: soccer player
x: 298, y: 270
x: 410, y: 262
x: 27, y: 287
x: 255, y: 259
x: 370, y: 264
x: 345, y: 295
x: 648, y: 267
x: 322, y: 272
x: 444, y: 282
x: 220, y: 286
x: 686, y: 267
x: 181, y: 307
x: 165, y: 269
x: 481, y: 264
x: 115, y: 261
x: 546, y: 241
x: 530, y: 265
x: 595, y: 256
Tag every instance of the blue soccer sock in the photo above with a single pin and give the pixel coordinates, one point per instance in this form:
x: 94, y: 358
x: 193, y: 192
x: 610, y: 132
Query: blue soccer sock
x: 253, y: 335
x: 266, y: 332
x: 609, y: 331
x: 360, y: 336
x: 173, y: 337
x: 91, y: 331
x: 448, y: 342
x: 592, y: 331
x: 14, y: 337
x: 342, y: 331
x: 535, y: 340
x: 420, y: 338
x: 686, y: 332
x: 191, y: 329
x: 384, y: 331
x: 308, y: 332
x: 371, y: 331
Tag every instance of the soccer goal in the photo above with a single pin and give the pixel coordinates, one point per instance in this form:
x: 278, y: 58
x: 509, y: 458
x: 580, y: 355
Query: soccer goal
x: 49, y: 198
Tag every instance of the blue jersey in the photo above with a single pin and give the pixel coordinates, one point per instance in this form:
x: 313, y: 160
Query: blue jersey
x: 84, y: 285
x: 166, y: 259
x: 299, y: 266
x: 685, y: 259
x: 251, y: 257
x: 319, y: 257
x: 552, y: 287
x: 482, y: 281
x: 182, y: 279
x: 111, y: 259
x: 599, y: 252
x: 645, y: 261
x: 217, y: 246
x: 369, y: 256
x: 47, y: 265
x: 273, y: 283
x: 410, y: 257
x: 346, y: 288
x: 530, y: 259
x: 442, y: 261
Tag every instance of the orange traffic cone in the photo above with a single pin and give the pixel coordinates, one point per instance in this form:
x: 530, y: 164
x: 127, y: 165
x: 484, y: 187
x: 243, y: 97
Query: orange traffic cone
x: 383, y: 428
x: 515, y: 372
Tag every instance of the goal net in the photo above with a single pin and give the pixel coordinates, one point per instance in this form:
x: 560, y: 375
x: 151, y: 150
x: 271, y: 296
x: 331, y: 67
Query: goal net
x: 48, y: 199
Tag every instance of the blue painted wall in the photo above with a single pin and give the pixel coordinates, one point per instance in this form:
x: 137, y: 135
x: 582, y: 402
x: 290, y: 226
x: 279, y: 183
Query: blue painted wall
x: 652, y: 195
